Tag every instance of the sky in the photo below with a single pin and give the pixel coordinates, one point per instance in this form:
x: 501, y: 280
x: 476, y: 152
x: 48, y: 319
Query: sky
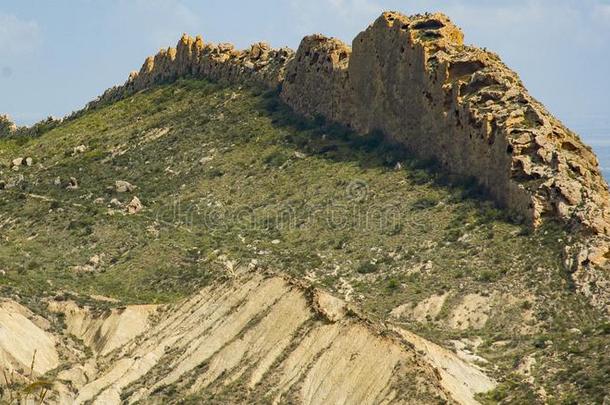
x: 55, y: 56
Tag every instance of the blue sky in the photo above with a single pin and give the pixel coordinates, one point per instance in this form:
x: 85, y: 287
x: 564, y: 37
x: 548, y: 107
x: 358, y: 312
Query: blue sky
x: 57, y: 55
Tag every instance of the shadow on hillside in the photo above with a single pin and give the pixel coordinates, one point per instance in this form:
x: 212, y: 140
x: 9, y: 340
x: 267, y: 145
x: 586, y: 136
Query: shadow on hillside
x: 338, y: 143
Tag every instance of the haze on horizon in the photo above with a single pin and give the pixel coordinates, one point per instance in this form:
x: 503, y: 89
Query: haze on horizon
x: 57, y: 56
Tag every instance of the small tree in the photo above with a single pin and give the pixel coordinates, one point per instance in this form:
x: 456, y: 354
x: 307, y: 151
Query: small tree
x: 24, y: 389
x: 7, y: 126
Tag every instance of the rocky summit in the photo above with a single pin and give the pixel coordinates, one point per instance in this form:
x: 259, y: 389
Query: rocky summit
x: 395, y: 221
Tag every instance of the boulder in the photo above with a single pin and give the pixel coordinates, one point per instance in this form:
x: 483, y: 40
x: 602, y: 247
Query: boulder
x: 95, y: 260
x: 94, y: 264
x: 115, y: 203
x: 72, y: 184
x: 134, y: 206
x: 122, y: 186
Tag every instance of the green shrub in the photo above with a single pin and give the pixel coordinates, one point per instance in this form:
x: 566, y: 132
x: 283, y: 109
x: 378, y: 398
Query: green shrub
x: 393, y: 284
x: 367, y: 267
x: 425, y: 203
x: 275, y: 159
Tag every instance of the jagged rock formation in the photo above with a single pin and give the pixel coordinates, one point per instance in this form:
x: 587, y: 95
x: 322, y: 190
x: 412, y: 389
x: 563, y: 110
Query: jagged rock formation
x: 413, y: 79
x: 257, y: 335
x: 192, y: 57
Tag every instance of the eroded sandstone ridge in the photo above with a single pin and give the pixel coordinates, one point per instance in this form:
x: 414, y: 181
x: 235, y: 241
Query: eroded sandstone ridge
x: 260, y: 64
x: 254, y: 336
x: 413, y: 79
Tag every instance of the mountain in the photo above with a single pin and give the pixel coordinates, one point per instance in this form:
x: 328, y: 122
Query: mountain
x: 394, y: 222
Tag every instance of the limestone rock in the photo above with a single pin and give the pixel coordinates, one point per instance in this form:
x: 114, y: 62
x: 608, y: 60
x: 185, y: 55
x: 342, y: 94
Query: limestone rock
x: 319, y: 67
x: 115, y: 203
x: 96, y: 260
x: 122, y: 186
x: 459, y: 105
x: 332, y: 308
x: 134, y: 206
x: 413, y: 79
x: 192, y: 57
x: 79, y: 149
x: 72, y: 184
x: 94, y: 264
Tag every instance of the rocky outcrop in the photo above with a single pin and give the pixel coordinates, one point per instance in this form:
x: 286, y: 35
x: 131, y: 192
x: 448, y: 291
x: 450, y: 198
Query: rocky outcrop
x: 413, y: 79
x: 260, y: 64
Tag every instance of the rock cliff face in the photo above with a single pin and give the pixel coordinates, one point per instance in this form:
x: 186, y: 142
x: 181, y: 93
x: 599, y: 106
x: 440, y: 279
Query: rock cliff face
x: 413, y: 79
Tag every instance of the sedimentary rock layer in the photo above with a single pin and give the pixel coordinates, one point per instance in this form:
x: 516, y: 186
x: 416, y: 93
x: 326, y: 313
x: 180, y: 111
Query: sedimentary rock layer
x: 255, y: 336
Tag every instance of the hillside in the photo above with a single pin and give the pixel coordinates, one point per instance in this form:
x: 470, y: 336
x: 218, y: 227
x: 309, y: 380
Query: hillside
x: 191, y: 239
x: 229, y: 178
